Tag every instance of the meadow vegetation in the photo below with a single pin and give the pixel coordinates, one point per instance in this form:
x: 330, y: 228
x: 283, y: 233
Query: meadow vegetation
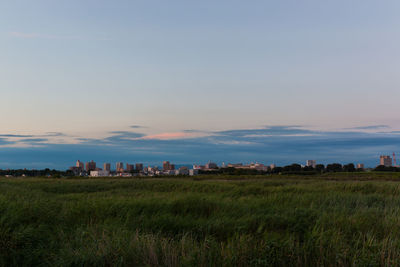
x: 327, y: 220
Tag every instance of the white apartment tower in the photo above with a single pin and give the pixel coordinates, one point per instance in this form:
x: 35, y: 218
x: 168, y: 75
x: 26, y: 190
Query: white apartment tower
x: 385, y: 161
x: 311, y: 163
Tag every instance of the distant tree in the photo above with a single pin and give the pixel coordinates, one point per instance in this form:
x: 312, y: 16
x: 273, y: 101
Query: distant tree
x: 320, y: 168
x: 68, y: 173
x: 277, y: 170
x: 292, y: 168
x: 349, y: 167
x: 334, y: 167
x: 382, y: 168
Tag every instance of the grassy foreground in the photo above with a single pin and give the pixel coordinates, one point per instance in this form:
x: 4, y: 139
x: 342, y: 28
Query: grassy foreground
x: 261, y: 221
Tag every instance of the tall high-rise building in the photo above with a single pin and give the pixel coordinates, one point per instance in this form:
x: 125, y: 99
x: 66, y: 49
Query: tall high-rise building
x: 79, y: 165
x: 120, y: 167
x: 130, y: 167
x: 139, y: 166
x: 385, y: 161
x: 107, y: 166
x: 90, y: 166
x: 166, y: 166
x: 311, y: 163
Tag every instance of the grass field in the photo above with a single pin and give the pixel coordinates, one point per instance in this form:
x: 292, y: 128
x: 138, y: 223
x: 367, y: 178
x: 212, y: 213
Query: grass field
x: 328, y: 220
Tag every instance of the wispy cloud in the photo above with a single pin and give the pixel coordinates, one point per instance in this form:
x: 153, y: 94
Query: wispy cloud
x: 278, y: 144
x: 55, y: 134
x: 172, y: 136
x: 123, y: 136
x: 16, y: 135
x: 234, y: 142
x: 48, y: 134
x: 268, y: 131
x: 369, y: 127
x: 197, y: 131
x: 24, y: 35
x: 127, y: 134
x: 33, y: 140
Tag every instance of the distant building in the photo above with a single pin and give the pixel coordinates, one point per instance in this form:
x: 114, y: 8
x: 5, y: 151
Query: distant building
x: 79, y: 165
x: 125, y: 174
x: 211, y: 165
x: 120, y: 167
x: 272, y: 166
x: 152, y: 169
x: 183, y: 171
x: 170, y: 172
x: 107, y: 166
x: 385, y: 161
x: 258, y: 166
x: 193, y: 172
x: 311, y: 163
x: 139, y: 167
x: 76, y: 170
x: 90, y: 166
x: 130, y: 167
x: 99, y: 173
x: 168, y: 166
x: 360, y: 166
x: 235, y: 165
x: 149, y: 171
x: 199, y: 167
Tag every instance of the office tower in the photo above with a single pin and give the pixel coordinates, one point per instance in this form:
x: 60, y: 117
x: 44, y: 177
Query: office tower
x: 120, y: 167
x: 129, y: 167
x: 166, y: 166
x: 80, y: 165
x: 386, y: 161
x: 107, y: 166
x: 90, y: 166
x: 139, y: 166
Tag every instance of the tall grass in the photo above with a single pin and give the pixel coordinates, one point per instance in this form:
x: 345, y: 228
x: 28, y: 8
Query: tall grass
x: 273, y: 221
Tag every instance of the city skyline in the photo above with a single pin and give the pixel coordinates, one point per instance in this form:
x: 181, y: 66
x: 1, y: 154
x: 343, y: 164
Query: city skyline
x: 196, y: 81
x: 281, y: 145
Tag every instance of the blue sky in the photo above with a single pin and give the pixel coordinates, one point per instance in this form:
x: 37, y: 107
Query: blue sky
x: 76, y: 75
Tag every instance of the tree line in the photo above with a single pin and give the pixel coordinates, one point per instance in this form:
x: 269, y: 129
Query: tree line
x: 288, y: 169
x: 36, y: 173
x: 297, y: 169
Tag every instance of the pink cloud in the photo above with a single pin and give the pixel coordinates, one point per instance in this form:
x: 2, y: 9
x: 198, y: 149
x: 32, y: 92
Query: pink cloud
x: 171, y: 136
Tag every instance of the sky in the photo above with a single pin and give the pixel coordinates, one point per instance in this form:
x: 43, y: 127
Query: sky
x: 192, y: 81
